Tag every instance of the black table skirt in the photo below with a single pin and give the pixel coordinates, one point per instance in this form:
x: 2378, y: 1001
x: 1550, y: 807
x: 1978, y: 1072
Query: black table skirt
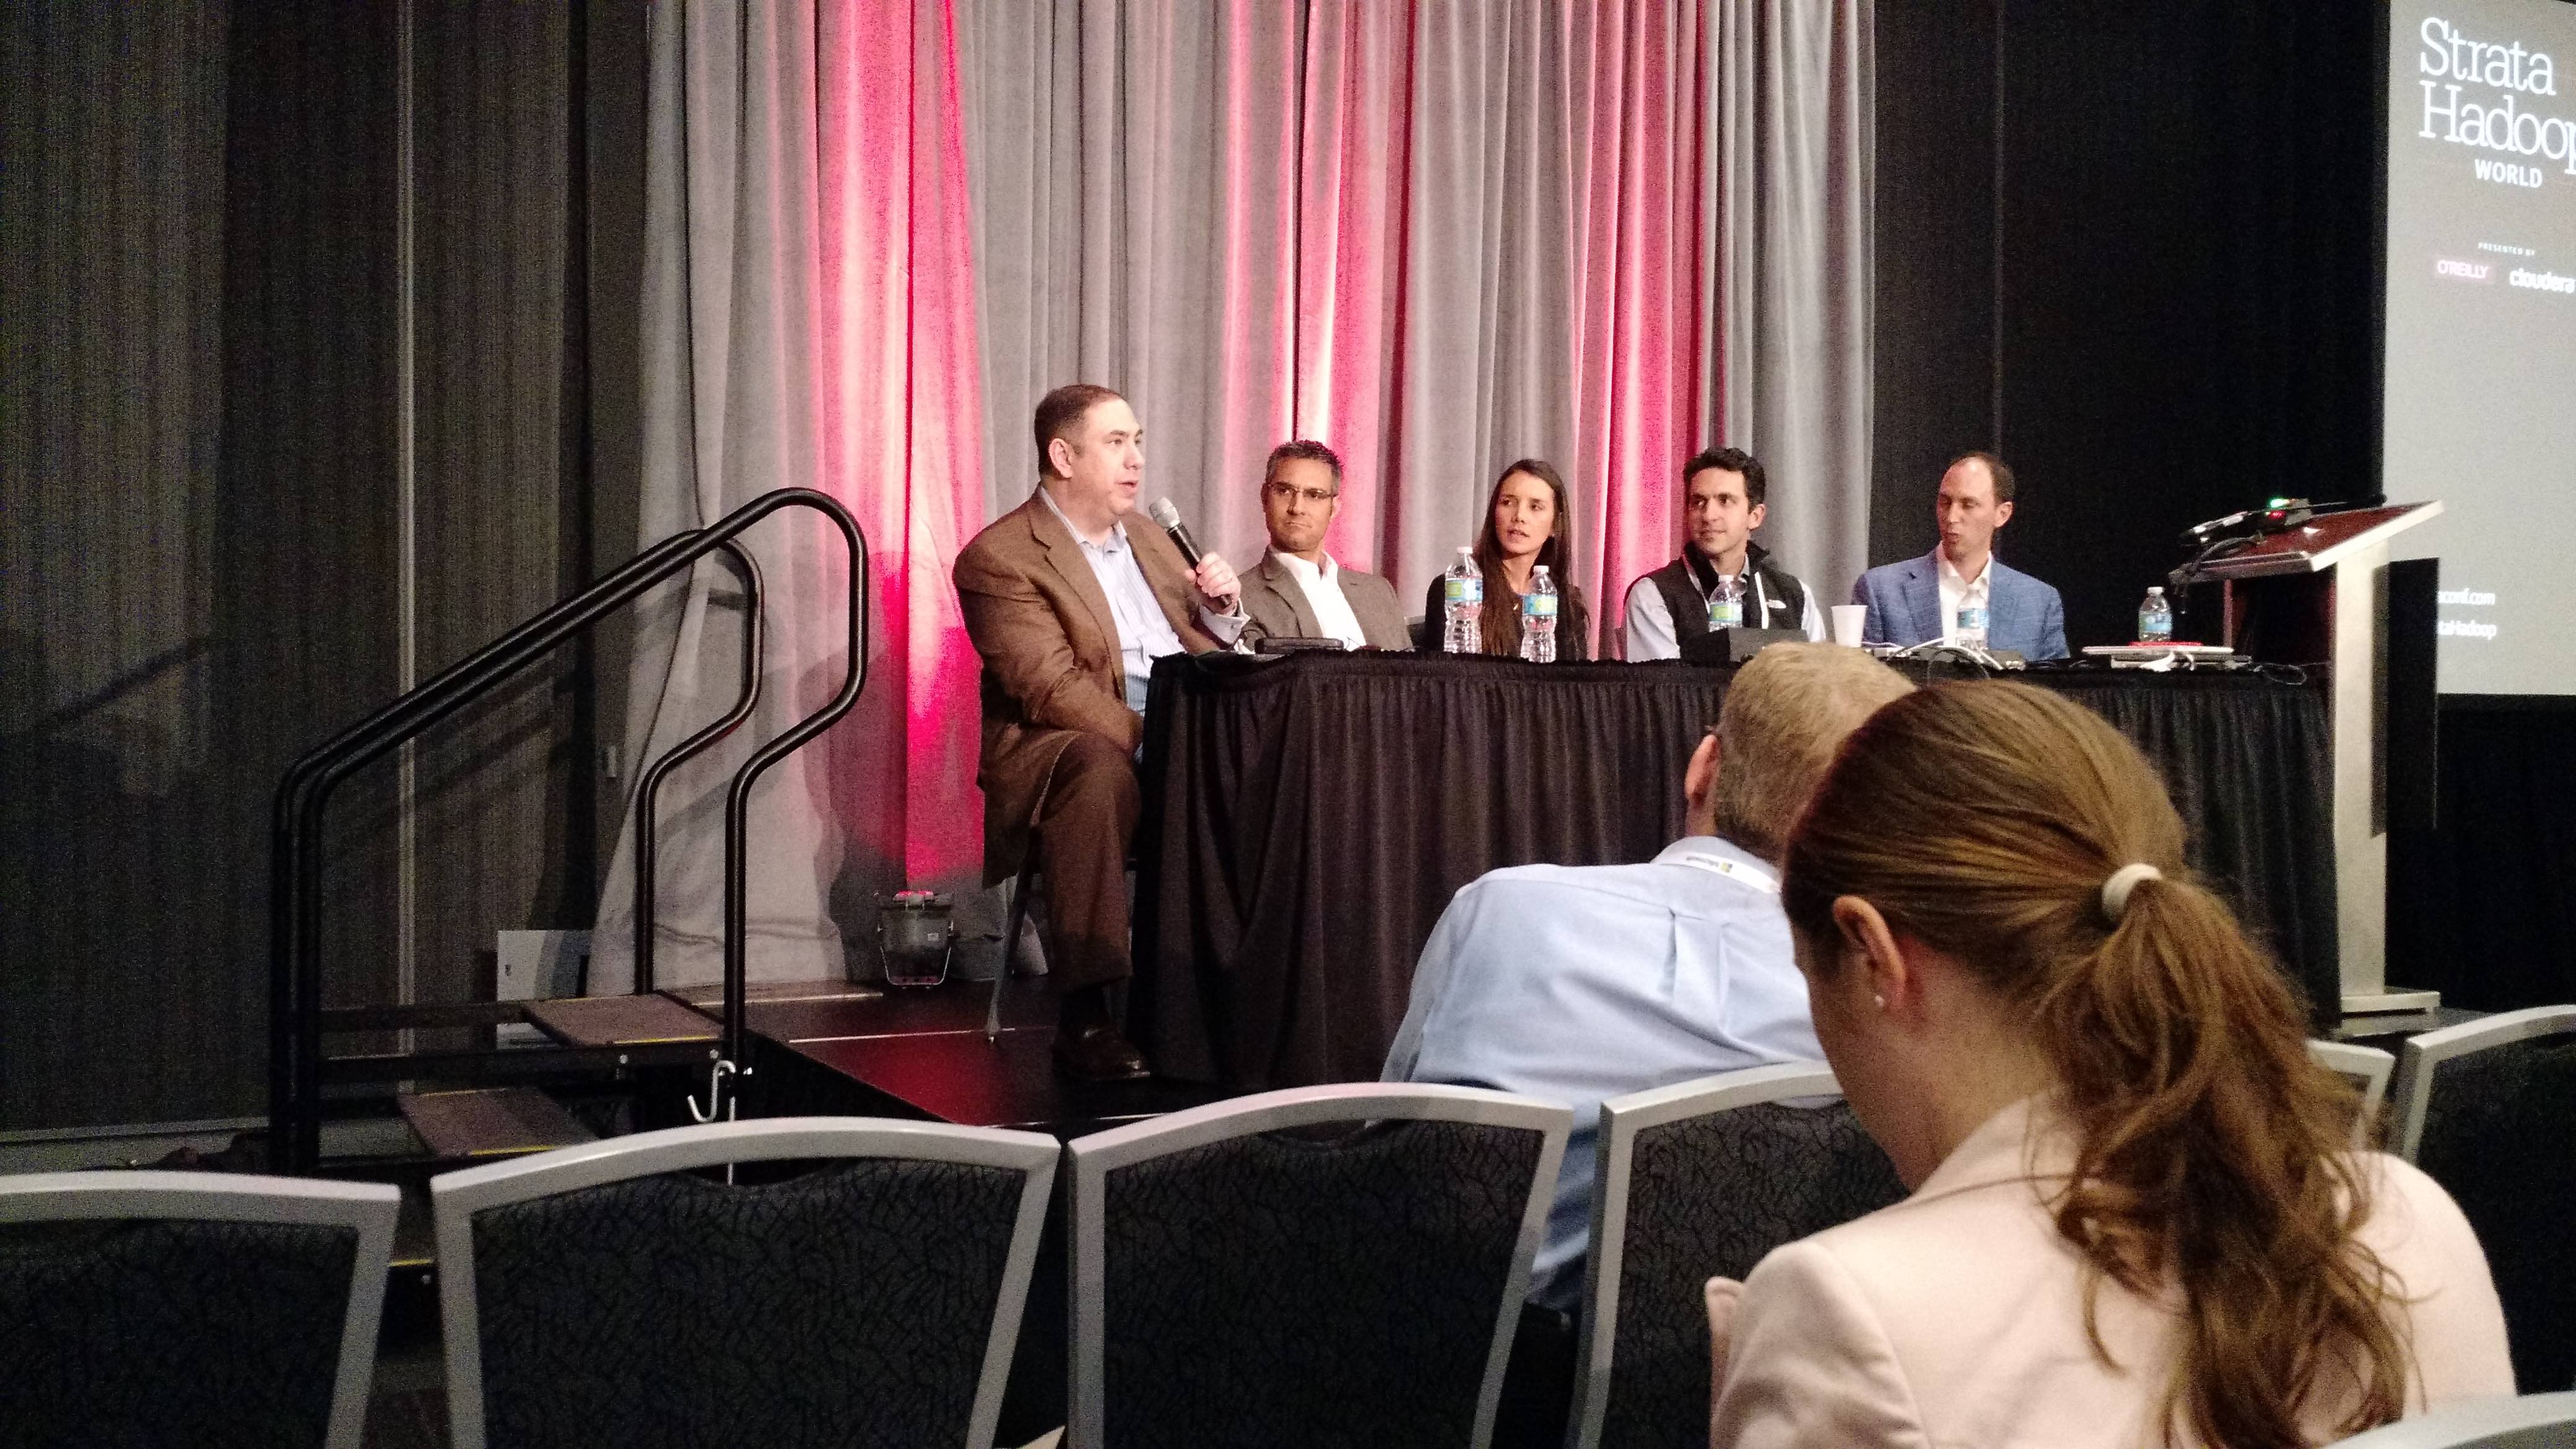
x: 1307, y: 819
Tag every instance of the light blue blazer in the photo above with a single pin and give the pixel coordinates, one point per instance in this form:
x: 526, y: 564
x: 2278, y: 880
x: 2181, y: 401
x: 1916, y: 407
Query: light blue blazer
x: 1904, y: 599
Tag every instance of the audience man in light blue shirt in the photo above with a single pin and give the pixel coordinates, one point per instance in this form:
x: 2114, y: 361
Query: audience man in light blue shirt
x: 1577, y: 984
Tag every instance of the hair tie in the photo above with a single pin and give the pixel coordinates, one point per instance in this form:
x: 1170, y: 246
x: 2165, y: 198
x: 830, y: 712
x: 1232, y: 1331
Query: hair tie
x: 2115, y: 891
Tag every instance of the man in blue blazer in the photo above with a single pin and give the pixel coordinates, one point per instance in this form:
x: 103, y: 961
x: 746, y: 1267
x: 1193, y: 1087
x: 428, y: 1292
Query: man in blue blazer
x: 1919, y: 599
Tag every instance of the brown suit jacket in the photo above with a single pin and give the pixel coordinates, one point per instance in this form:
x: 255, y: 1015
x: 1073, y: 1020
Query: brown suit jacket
x: 1050, y: 650
x: 1278, y: 608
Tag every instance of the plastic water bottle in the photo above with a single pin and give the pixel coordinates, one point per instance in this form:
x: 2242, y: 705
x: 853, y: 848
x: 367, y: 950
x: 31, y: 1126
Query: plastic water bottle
x: 2155, y: 619
x: 1538, y: 619
x: 1462, y: 605
x: 1726, y: 606
x: 1971, y: 633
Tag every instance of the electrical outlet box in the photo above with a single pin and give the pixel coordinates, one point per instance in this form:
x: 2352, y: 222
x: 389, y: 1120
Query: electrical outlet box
x: 541, y: 965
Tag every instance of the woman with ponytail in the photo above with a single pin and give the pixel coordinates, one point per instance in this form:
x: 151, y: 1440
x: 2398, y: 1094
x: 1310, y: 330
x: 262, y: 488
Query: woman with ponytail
x: 2134, y: 1220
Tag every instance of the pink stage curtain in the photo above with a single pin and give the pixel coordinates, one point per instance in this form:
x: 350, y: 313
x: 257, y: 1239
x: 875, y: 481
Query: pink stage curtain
x: 1437, y: 236
x: 902, y: 430
x: 808, y: 322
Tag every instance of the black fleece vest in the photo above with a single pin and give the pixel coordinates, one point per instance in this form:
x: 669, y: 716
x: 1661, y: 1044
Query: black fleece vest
x: 1775, y: 599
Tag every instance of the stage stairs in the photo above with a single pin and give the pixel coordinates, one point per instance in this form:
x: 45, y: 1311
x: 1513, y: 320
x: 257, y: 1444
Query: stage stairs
x: 478, y: 1080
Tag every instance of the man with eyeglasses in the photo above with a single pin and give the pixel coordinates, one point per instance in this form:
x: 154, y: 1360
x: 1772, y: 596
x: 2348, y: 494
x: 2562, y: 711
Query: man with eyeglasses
x: 1298, y: 591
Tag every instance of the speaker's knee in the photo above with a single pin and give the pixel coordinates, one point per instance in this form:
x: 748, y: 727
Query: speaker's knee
x: 1094, y: 775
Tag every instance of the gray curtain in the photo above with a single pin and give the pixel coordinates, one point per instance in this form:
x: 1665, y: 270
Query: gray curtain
x: 1266, y: 220
x: 1792, y: 198
x: 729, y: 339
x: 1440, y: 237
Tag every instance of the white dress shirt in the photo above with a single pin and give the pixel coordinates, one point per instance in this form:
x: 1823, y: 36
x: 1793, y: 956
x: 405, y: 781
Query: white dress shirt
x: 1957, y: 592
x: 1323, y: 586
x: 1145, y: 633
x: 1577, y: 984
x: 1650, y: 631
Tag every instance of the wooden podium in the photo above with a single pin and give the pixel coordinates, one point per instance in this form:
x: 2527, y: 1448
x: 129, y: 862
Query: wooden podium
x: 2318, y: 594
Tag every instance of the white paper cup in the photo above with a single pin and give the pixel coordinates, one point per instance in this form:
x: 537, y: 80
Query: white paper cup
x: 1850, y: 620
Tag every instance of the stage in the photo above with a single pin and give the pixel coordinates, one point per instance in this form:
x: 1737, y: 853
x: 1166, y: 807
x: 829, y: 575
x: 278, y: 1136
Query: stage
x: 921, y: 1052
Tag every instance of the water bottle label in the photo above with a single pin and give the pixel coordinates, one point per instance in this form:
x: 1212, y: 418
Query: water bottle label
x: 1971, y: 619
x: 1538, y: 606
x: 1726, y: 614
x: 1458, y: 591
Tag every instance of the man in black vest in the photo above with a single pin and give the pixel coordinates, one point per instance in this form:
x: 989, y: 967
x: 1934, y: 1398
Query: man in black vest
x: 1724, y: 489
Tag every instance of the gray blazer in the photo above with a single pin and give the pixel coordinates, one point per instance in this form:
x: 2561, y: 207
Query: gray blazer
x: 1278, y: 608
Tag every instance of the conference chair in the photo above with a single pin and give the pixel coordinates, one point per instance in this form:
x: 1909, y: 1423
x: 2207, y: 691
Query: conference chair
x: 1697, y: 1181
x: 2368, y: 1069
x: 189, y: 1308
x: 2534, y: 1421
x: 1337, y: 1265
x: 612, y: 1294
x: 2489, y: 1110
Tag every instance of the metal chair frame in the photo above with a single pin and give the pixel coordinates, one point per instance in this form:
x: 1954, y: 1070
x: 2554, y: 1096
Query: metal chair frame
x: 367, y: 1208
x: 1622, y: 1119
x: 2533, y: 1421
x: 1090, y: 1160
x: 2369, y: 1068
x: 2414, y: 1082
x: 456, y: 1197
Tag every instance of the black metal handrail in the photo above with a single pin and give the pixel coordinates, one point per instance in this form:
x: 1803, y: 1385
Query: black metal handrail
x: 295, y: 903
x: 648, y: 788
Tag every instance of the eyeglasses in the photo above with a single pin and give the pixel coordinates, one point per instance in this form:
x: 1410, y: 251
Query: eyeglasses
x: 1316, y: 496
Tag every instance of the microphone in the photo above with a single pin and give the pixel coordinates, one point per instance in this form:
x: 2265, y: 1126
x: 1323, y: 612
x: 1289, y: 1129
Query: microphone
x: 1164, y: 513
x: 2199, y: 533
x: 2278, y: 516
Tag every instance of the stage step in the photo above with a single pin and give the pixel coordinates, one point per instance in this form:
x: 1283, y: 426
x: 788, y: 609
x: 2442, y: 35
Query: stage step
x: 491, y: 1122
x: 598, y: 1021
x: 710, y: 997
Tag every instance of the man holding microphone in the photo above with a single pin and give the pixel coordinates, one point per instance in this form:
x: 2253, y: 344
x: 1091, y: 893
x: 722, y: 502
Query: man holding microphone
x: 1069, y: 608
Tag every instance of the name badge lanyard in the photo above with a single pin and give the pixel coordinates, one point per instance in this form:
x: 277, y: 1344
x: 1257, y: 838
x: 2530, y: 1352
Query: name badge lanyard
x: 1753, y: 875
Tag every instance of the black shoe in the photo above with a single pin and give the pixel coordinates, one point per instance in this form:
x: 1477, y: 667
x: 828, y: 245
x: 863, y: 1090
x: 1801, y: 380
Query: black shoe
x: 1097, y: 1053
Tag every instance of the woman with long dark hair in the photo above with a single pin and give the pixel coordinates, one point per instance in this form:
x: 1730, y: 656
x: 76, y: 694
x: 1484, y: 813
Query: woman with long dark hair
x: 1526, y: 525
x: 2135, y: 1219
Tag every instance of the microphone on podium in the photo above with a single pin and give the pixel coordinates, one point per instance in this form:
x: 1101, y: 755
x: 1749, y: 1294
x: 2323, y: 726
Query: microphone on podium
x: 1164, y: 513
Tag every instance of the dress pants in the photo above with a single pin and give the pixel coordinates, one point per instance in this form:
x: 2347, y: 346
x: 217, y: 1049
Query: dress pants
x: 1084, y: 827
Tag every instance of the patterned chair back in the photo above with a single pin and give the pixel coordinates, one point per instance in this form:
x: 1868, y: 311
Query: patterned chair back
x: 2485, y: 1109
x: 1320, y: 1266
x: 1699, y: 1181
x: 2367, y: 1070
x: 189, y: 1308
x: 604, y: 1295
